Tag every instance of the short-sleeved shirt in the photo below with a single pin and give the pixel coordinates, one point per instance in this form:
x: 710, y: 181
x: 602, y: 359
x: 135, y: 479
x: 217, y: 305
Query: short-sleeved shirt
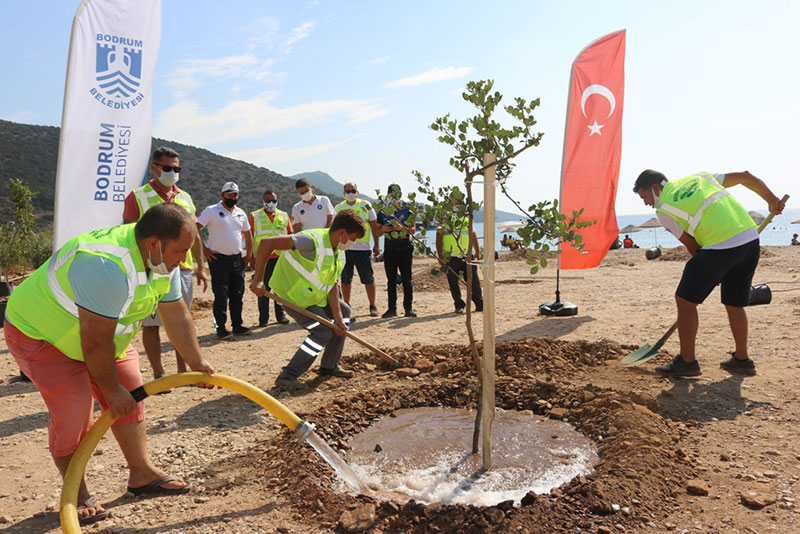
x: 314, y: 215
x: 100, y: 286
x: 224, y: 228
x: 401, y: 214
x: 671, y: 225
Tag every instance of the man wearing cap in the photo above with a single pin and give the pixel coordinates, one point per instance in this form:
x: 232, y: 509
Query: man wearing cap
x: 723, y: 241
x: 268, y: 222
x: 311, y: 211
x: 360, y: 256
x: 165, y: 167
x: 398, y: 252
x: 307, y: 275
x: 227, y: 224
x: 70, y: 325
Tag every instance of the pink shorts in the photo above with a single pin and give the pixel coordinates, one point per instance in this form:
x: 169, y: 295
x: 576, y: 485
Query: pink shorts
x: 68, y: 389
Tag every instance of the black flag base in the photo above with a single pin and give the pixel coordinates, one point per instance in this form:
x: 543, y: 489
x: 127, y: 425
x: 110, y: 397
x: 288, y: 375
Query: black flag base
x: 558, y: 309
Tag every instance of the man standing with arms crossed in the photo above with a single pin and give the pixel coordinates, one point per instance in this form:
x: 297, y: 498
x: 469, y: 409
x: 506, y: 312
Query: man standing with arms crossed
x: 70, y: 324
x: 311, y: 211
x: 723, y: 241
x: 360, y: 255
x: 166, y: 167
x: 227, y: 225
x: 269, y: 222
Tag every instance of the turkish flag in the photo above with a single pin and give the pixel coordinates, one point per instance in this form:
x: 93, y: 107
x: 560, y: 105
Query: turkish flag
x: 593, y: 147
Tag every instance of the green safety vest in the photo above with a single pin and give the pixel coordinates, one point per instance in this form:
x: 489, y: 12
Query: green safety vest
x: 704, y: 209
x: 43, y: 306
x: 263, y: 227
x: 456, y: 247
x: 147, y: 197
x: 307, y: 282
x: 361, y: 207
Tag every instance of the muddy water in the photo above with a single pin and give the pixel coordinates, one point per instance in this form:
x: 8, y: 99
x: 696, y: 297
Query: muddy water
x: 425, y: 454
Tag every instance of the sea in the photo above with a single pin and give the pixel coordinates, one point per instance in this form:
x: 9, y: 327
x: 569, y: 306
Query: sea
x: 777, y: 233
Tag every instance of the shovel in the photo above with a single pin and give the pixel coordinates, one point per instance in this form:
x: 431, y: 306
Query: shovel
x: 302, y: 311
x: 646, y: 352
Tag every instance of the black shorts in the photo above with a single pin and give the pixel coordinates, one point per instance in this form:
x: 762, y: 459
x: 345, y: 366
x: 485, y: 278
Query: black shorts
x: 733, y: 268
x: 361, y: 260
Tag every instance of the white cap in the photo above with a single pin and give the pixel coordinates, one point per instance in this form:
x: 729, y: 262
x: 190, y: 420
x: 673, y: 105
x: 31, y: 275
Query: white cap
x: 230, y: 187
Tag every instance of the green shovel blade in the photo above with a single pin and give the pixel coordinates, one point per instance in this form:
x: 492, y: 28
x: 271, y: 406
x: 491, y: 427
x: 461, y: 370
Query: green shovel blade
x: 640, y: 355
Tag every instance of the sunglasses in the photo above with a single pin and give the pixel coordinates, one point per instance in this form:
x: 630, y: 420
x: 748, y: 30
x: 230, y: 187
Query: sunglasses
x: 168, y: 168
x: 350, y: 191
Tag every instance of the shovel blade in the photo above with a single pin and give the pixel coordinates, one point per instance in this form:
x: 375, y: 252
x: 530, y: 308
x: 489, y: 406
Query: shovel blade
x: 640, y: 355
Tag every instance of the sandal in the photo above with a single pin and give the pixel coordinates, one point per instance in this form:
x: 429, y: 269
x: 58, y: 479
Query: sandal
x: 155, y: 489
x: 91, y: 502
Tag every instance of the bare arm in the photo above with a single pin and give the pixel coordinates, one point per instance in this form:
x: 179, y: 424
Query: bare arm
x: 376, y: 238
x: 267, y: 246
x: 689, y: 242
x: 756, y: 185
x: 328, y: 221
x: 439, y: 242
x: 475, y: 244
x: 248, y: 246
x: 99, y: 353
x: 197, y: 254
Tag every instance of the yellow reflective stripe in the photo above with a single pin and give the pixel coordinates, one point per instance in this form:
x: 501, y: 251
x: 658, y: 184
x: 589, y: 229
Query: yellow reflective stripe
x: 143, y: 198
x: 322, y: 253
x: 677, y: 212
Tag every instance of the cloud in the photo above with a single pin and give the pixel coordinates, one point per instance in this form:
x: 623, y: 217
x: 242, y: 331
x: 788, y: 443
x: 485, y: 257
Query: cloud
x: 431, y: 76
x: 263, y: 33
x: 23, y: 115
x: 379, y: 60
x: 298, y: 34
x: 193, y: 73
x: 272, y: 155
x: 188, y: 122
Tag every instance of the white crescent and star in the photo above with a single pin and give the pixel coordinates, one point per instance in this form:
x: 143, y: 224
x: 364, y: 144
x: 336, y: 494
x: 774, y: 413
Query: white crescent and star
x: 602, y: 90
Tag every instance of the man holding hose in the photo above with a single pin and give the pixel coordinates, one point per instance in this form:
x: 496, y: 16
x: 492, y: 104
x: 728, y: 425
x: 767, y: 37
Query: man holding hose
x: 723, y: 241
x: 307, y: 275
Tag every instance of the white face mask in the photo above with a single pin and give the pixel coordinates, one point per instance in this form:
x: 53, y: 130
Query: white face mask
x: 346, y: 245
x: 307, y: 195
x: 350, y: 196
x: 168, y: 179
x: 160, y: 268
x: 270, y: 205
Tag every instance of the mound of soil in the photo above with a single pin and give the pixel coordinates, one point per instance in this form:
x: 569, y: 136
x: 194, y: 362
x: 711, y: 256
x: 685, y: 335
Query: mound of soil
x: 681, y: 254
x: 642, y: 465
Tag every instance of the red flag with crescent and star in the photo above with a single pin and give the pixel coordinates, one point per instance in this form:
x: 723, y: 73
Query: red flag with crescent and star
x: 593, y: 147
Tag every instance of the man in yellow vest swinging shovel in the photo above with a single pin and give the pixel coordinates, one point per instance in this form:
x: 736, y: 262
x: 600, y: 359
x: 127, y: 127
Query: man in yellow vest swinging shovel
x: 723, y: 242
x: 307, y: 275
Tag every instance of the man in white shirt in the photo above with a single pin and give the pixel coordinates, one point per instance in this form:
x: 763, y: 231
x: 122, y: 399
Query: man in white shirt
x: 311, y: 211
x: 227, y: 224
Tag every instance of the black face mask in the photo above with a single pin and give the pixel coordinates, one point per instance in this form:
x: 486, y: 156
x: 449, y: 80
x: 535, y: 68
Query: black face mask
x: 230, y: 202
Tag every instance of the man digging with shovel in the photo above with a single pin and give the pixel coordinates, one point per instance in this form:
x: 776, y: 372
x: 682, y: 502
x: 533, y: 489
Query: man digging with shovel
x: 723, y: 241
x: 307, y: 275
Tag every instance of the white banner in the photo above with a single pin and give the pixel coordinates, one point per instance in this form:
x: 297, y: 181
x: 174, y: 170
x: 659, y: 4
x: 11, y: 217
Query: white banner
x: 104, y: 148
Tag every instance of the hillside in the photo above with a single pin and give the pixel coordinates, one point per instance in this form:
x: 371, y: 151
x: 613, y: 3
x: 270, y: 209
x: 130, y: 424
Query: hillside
x: 30, y: 152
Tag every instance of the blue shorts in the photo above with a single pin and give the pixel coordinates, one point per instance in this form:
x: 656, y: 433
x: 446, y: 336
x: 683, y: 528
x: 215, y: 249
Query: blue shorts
x: 361, y: 260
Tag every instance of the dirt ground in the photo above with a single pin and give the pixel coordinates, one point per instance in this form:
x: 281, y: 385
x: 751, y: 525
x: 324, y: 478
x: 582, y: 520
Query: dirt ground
x: 663, y: 443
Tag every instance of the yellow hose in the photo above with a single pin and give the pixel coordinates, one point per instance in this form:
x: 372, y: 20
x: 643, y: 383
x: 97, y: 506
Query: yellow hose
x: 77, y: 466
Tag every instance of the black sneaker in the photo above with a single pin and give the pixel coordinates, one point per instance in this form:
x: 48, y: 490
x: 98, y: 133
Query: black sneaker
x: 479, y: 307
x: 338, y: 372
x: 262, y: 324
x: 459, y: 309
x: 391, y: 312
x: 223, y: 334
x: 241, y: 330
x: 373, y: 311
x: 410, y: 313
x: 679, y: 367
x: 740, y: 367
x: 282, y: 320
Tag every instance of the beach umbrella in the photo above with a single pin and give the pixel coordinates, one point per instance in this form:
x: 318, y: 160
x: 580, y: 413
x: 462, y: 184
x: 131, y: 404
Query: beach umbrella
x: 631, y: 228
x: 757, y: 217
x: 652, y: 223
x: 796, y: 222
x: 510, y: 226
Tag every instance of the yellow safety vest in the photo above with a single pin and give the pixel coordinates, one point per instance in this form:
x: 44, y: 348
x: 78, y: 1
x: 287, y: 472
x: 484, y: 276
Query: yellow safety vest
x: 263, y: 227
x: 704, y: 209
x: 147, y: 197
x: 361, y: 207
x: 43, y: 306
x: 456, y: 247
x: 307, y: 282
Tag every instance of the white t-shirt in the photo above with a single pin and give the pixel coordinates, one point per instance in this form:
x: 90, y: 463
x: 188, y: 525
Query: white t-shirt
x: 224, y: 228
x: 314, y: 215
x: 671, y: 225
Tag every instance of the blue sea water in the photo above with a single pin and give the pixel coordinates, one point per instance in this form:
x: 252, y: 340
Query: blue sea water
x: 778, y: 232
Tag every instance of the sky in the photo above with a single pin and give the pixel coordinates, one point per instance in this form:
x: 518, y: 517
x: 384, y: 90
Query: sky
x: 350, y: 88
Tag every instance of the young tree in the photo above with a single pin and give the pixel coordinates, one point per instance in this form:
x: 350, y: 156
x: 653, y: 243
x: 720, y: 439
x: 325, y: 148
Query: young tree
x: 481, y: 142
x: 17, y: 234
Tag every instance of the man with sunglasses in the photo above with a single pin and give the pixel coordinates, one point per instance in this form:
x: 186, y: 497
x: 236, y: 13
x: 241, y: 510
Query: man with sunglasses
x: 359, y: 256
x: 166, y: 167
